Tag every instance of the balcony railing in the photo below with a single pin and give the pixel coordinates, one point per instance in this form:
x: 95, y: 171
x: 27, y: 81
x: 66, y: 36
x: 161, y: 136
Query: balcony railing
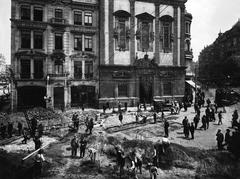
x: 25, y: 75
x: 58, y: 21
x: 58, y: 75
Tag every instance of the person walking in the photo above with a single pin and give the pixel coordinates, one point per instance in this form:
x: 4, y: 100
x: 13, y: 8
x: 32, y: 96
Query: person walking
x: 196, y: 120
x: 166, y: 126
x: 220, y: 139
x: 192, y: 129
x: 155, y: 118
x: 184, y: 123
x: 227, y: 138
x: 204, y: 125
x: 220, y: 118
x: 10, y: 129
x: 90, y: 125
x: 120, y: 117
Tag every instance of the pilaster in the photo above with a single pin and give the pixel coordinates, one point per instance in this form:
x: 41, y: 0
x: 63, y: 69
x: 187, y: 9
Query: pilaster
x: 132, y: 31
x: 175, y: 32
x: 182, y: 56
x: 157, y: 34
x: 110, y: 46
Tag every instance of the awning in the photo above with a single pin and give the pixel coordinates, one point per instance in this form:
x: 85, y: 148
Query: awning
x: 192, y: 84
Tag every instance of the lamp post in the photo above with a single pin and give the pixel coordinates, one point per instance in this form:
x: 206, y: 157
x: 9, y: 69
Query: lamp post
x: 47, y: 98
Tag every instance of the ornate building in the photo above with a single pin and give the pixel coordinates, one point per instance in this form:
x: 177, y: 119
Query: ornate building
x: 54, y: 53
x: 219, y: 63
x: 144, y: 55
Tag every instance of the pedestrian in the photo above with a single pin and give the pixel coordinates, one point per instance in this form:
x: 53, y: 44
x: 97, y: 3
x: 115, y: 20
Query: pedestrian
x: 166, y: 126
x: 74, y: 120
x: 104, y: 109
x: 192, y: 129
x: 82, y: 107
x: 220, y: 139
x: 25, y: 135
x: 204, y: 120
x: 33, y: 126
x: 195, y: 107
x: 185, y: 105
x: 83, y: 145
x: 19, y: 128
x: 40, y: 130
x: 120, y: 117
x: 155, y: 118
x: 86, y: 124
x: 184, y: 123
x: 77, y: 122
x: 207, y: 122
x: 208, y: 102
x: 227, y: 138
x: 187, y: 130
x: 90, y: 125
x: 125, y: 106
x: 196, y: 120
x: 37, y: 142
x: 74, y: 146
x: 212, y: 114
x: 38, y: 165
x: 162, y: 115
x: 220, y: 118
x: 235, y: 119
x: 10, y: 129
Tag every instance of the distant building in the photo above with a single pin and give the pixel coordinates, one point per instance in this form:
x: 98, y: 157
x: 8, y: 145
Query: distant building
x: 219, y: 63
x: 54, y: 53
x: 142, y: 50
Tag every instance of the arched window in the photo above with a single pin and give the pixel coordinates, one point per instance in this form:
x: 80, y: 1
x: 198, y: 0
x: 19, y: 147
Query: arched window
x: 166, y: 35
x: 145, y: 34
x: 121, y: 30
x: 58, y: 65
x: 187, y: 45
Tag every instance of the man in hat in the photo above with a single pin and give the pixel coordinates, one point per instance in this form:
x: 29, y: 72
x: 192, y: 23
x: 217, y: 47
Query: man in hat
x: 220, y: 139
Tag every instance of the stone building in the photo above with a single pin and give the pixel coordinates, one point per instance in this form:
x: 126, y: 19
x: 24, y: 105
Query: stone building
x: 219, y: 63
x: 142, y: 55
x: 54, y: 53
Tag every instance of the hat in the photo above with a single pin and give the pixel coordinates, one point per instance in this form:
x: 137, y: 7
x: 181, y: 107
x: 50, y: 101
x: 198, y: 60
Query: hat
x: 219, y: 130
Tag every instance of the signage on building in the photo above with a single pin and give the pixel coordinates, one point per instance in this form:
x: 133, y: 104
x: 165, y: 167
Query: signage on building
x: 121, y: 74
x: 86, y: 1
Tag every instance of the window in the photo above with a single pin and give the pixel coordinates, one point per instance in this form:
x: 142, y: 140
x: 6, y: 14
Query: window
x: 88, y: 69
x: 25, y: 69
x: 58, y: 13
x: 77, y: 18
x: 58, y: 41
x: 78, y: 42
x: 58, y: 67
x: 78, y: 69
x: 38, y: 69
x: 187, y: 27
x: 38, y: 40
x: 25, y: 39
x: 145, y: 41
x: 166, y: 35
x: 88, y: 18
x: 167, y: 89
x: 88, y: 43
x: 122, y: 90
x: 38, y: 14
x: 25, y: 12
x: 121, y: 32
x: 187, y: 45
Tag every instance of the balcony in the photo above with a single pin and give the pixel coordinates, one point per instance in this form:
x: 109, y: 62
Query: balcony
x: 60, y: 75
x: 60, y: 21
x: 189, y: 54
x: 87, y: 76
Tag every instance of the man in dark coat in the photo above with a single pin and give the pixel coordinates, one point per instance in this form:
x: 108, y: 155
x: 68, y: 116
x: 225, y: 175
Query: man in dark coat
x: 10, y: 129
x: 184, y: 123
x: 83, y: 145
x: 37, y: 142
x: 74, y: 146
x: 220, y: 118
x: 155, y: 117
x: 196, y: 120
x: 220, y: 139
x: 227, y: 138
x: 204, y: 120
x: 90, y: 125
x: 120, y: 117
x: 192, y: 129
x: 166, y: 126
x: 20, y: 128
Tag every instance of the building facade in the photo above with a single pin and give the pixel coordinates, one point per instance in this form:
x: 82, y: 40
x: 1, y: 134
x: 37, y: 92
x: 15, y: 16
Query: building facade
x: 219, y: 63
x: 54, y: 53
x: 142, y: 55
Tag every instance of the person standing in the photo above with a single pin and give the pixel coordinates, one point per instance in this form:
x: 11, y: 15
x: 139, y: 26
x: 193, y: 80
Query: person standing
x: 204, y: 120
x: 166, y: 126
x: 120, y: 117
x: 90, y: 125
x: 184, y: 123
x: 227, y: 138
x: 192, y: 129
x: 83, y: 145
x: 74, y: 146
x: 155, y: 118
x: 196, y: 120
x: 220, y: 118
x: 10, y: 129
x: 220, y: 139
x: 19, y: 128
x: 207, y: 122
x: 86, y: 124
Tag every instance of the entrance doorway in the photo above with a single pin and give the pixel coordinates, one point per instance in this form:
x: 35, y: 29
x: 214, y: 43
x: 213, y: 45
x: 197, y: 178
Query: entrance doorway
x: 58, y: 97
x: 83, y: 95
x: 146, y: 89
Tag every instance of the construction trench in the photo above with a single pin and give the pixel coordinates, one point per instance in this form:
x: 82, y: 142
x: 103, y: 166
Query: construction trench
x: 178, y: 161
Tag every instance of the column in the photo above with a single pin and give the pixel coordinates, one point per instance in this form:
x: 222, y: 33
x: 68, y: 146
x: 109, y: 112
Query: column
x: 65, y: 95
x: 132, y: 31
x: 182, y: 39
x: 32, y: 68
x: 175, y: 32
x: 83, y: 70
x: 50, y: 42
x: 32, y: 40
x: 157, y: 33
x: 110, y: 44
x: 66, y: 41
x: 116, y: 90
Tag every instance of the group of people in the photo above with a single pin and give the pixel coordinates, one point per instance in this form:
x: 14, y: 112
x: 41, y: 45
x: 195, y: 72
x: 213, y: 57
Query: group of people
x: 89, y: 123
x: 81, y: 144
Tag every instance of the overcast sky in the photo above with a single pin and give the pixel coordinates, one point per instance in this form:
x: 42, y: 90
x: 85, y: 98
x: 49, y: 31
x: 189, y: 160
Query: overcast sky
x: 209, y: 17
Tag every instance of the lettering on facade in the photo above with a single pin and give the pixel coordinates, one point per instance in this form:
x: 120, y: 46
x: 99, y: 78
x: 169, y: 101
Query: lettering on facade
x: 121, y: 74
x: 24, y: 24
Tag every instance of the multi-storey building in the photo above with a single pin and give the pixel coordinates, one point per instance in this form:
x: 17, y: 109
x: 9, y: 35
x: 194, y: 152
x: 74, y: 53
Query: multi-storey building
x: 142, y: 57
x: 54, y: 52
x: 219, y: 63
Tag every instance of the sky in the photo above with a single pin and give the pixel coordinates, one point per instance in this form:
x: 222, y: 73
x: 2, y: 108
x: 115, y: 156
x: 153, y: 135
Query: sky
x: 209, y: 18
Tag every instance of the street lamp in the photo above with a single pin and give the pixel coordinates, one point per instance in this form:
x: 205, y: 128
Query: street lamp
x: 47, y: 98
